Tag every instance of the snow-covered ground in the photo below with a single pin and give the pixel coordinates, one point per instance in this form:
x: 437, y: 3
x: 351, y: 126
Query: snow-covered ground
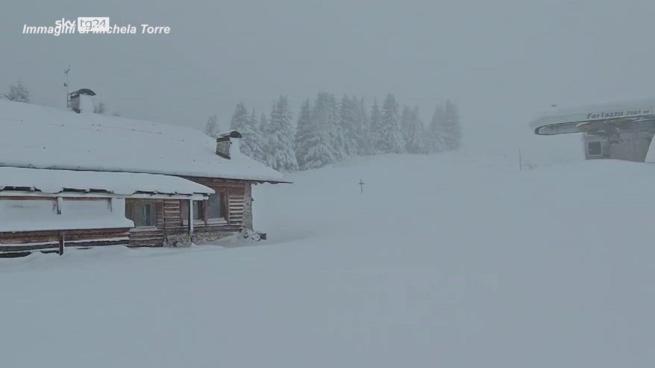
x: 444, y: 261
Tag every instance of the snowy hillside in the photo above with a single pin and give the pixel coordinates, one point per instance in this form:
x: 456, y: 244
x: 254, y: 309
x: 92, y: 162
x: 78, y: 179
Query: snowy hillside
x: 443, y: 261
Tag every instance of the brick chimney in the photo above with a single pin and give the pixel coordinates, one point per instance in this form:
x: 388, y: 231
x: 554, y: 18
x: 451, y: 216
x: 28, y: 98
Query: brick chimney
x: 224, y: 143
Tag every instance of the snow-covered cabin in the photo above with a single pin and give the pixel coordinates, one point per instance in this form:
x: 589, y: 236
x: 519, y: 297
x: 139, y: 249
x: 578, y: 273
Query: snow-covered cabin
x: 88, y: 179
x: 621, y: 131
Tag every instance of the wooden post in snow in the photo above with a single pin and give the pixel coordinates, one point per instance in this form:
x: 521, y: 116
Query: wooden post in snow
x: 190, y: 217
x: 62, y: 241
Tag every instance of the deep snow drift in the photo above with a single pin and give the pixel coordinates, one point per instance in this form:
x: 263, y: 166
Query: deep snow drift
x: 444, y: 261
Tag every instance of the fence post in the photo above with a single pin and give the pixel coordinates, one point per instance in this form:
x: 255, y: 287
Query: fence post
x: 62, y: 240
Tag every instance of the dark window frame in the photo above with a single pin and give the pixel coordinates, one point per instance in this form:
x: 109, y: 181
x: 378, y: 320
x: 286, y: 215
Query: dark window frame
x: 595, y: 148
x: 142, y: 212
x: 204, y: 212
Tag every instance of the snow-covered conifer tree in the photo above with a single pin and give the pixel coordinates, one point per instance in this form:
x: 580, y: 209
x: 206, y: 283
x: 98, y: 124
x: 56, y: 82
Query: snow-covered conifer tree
x: 362, y: 129
x: 212, y: 127
x: 262, y: 124
x: 445, y: 132
x: 375, y: 126
x: 251, y: 143
x: 413, y: 131
x: 327, y: 112
x: 280, y: 152
x: 348, y: 125
x: 264, y: 131
x: 18, y: 93
x: 239, y: 118
x: 452, y: 133
x: 313, y: 136
x: 389, y: 138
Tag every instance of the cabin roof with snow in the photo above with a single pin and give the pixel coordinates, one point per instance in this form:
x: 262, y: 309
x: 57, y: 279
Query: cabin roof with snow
x: 55, y: 182
x: 33, y: 136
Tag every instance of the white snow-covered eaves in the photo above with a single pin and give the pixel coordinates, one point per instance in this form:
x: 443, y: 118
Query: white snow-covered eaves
x: 57, y: 182
x: 33, y: 136
x: 573, y: 115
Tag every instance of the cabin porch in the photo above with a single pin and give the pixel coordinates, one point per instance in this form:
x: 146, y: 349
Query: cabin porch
x: 180, y: 222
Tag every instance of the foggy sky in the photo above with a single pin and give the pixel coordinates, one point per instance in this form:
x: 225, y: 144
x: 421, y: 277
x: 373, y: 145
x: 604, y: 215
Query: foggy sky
x: 502, y: 61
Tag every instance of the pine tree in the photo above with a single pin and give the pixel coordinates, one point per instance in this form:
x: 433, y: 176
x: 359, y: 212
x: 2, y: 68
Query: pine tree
x: 328, y: 114
x: 434, y: 139
x: 212, y: 127
x: 264, y: 130
x: 348, y: 125
x: 445, y: 132
x: 389, y: 135
x: 251, y: 141
x: 18, y: 93
x: 304, y: 129
x: 375, y: 127
x: 413, y: 131
x: 405, y: 122
x: 311, y: 144
x: 281, y: 155
x: 313, y: 135
x: 362, y: 129
x: 452, y: 133
x: 263, y: 123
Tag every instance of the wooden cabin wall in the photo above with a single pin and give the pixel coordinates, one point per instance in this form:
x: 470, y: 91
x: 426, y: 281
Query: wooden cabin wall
x: 166, y: 228
x: 171, y: 226
x: 238, y: 195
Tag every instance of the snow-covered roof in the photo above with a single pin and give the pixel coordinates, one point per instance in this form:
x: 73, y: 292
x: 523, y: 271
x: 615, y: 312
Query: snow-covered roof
x: 45, y: 137
x: 565, y: 120
x: 115, y: 183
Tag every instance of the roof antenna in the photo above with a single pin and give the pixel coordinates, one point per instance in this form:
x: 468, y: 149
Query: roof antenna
x: 66, y: 85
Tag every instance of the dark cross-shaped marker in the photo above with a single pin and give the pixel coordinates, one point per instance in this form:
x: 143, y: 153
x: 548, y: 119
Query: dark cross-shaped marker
x: 361, y: 185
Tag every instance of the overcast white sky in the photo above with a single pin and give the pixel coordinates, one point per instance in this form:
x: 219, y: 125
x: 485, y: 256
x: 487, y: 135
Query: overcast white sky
x: 502, y: 61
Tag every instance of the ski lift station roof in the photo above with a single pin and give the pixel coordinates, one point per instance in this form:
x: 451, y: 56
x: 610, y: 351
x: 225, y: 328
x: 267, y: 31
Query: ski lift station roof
x: 566, y: 121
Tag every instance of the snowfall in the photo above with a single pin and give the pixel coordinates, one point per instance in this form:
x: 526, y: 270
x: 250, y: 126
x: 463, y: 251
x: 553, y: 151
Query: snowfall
x: 447, y: 260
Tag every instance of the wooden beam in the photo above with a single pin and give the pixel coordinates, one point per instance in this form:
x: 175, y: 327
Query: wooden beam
x: 62, y: 241
x: 191, y: 217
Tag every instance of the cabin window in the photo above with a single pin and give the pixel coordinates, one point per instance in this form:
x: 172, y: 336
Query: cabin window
x: 211, y: 209
x: 594, y: 149
x: 216, y: 206
x: 198, y: 210
x: 143, y: 213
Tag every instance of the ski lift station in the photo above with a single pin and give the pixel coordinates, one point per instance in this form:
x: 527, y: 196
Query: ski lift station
x: 622, y: 131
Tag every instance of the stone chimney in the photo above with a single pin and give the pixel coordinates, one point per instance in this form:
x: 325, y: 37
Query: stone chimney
x: 224, y: 144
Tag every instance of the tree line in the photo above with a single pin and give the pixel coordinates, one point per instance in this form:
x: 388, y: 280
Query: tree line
x: 328, y: 130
